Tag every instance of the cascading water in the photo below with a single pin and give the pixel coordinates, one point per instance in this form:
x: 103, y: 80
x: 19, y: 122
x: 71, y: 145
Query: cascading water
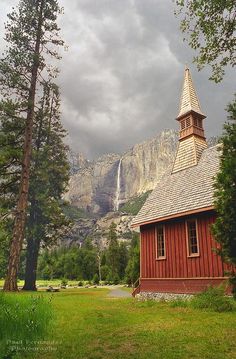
x: 117, y: 197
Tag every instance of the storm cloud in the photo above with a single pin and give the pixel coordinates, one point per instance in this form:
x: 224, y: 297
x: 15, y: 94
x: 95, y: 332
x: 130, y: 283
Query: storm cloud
x: 122, y: 74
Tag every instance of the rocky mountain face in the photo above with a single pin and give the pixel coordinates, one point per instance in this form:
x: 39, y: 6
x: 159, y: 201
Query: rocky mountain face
x: 99, y: 189
x: 97, y: 229
x: 104, y: 185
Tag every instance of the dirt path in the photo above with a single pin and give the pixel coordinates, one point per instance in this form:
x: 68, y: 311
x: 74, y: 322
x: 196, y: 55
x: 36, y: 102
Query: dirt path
x: 118, y: 293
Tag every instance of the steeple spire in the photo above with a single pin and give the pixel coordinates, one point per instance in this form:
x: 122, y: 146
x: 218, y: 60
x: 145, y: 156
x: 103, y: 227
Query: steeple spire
x: 191, y: 135
x: 189, y: 100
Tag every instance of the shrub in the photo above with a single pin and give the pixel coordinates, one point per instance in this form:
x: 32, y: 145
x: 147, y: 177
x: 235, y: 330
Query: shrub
x: 95, y: 279
x: 180, y: 303
x: 134, y: 205
x: 22, y: 318
x: 104, y: 271
x: 116, y: 279
x: 80, y: 284
x: 232, y: 281
x: 213, y: 299
x: 64, y: 281
x: 109, y: 279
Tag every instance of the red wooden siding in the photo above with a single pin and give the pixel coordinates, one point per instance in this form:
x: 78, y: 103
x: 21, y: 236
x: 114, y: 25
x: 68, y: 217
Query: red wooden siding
x: 177, y: 264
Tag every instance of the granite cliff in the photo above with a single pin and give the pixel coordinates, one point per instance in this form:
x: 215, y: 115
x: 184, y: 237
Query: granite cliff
x: 104, y: 185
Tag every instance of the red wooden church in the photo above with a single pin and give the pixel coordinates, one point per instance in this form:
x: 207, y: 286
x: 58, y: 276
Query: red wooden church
x: 177, y: 253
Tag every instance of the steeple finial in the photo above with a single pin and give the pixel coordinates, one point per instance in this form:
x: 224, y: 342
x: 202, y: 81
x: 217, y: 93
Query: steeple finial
x: 189, y: 100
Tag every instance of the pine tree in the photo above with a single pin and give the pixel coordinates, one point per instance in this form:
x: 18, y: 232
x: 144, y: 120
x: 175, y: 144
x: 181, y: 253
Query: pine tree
x: 113, y: 251
x: 224, y: 228
x: 31, y: 35
x: 49, y: 176
x: 133, y: 267
x: 123, y: 259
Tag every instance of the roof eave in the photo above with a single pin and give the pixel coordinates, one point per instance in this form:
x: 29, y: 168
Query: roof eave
x: 181, y: 115
x: 177, y: 215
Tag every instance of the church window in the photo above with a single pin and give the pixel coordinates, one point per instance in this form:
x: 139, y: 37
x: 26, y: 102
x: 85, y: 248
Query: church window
x: 182, y: 124
x: 160, y: 242
x: 188, y: 123
x: 192, y: 238
x: 197, y: 122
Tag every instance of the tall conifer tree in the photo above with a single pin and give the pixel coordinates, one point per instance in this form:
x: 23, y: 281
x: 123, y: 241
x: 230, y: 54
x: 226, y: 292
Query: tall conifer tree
x: 224, y: 228
x: 49, y: 176
x: 31, y: 34
x: 113, y: 250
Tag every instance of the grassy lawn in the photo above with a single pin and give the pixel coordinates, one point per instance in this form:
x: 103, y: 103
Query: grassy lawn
x: 90, y: 325
x: 53, y: 282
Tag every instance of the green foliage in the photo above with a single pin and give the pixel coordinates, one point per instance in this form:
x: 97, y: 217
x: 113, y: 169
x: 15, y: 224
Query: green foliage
x: 64, y: 281
x: 4, y: 247
x: 210, y: 28
x: 71, y: 263
x: 95, y: 279
x: 123, y: 259
x: 178, y: 303
x: 113, y: 250
x: 109, y: 278
x: 22, y: 318
x: 134, y: 205
x: 132, y: 271
x: 80, y: 284
x: 224, y: 229
x: 232, y: 282
x: 74, y: 213
x: 49, y: 170
x: 89, y: 325
x: 32, y: 39
x: 213, y: 299
x: 83, y: 262
x: 116, y: 279
x: 105, y: 270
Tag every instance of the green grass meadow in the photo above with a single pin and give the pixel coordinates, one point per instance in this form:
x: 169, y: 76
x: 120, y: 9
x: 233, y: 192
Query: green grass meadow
x: 88, y: 324
x: 45, y: 283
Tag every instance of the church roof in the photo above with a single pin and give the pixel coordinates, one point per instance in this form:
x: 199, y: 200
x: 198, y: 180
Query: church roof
x: 189, y: 100
x: 183, y: 192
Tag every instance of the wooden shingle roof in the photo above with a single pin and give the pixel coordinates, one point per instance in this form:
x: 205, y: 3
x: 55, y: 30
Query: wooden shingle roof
x: 189, y: 100
x: 183, y: 192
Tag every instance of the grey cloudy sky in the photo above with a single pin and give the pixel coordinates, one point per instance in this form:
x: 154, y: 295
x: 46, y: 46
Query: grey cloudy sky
x: 122, y: 75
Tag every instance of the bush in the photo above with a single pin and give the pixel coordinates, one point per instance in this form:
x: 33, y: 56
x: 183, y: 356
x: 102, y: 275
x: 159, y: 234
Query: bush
x: 109, y: 279
x: 22, y: 318
x: 95, y: 279
x: 134, y: 205
x: 232, y: 281
x: 80, y: 284
x: 116, y: 279
x: 64, y: 281
x: 179, y: 303
x: 104, y: 271
x: 213, y: 299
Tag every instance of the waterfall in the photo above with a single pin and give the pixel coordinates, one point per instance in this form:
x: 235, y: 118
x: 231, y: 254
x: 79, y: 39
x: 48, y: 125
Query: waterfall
x: 117, y: 197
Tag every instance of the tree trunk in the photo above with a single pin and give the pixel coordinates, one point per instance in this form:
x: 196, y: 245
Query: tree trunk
x: 99, y: 268
x: 20, y: 213
x: 33, y: 246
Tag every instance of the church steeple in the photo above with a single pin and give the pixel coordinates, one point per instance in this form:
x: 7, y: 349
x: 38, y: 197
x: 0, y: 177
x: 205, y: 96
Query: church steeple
x: 189, y: 100
x: 191, y: 134
x: 190, y: 115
